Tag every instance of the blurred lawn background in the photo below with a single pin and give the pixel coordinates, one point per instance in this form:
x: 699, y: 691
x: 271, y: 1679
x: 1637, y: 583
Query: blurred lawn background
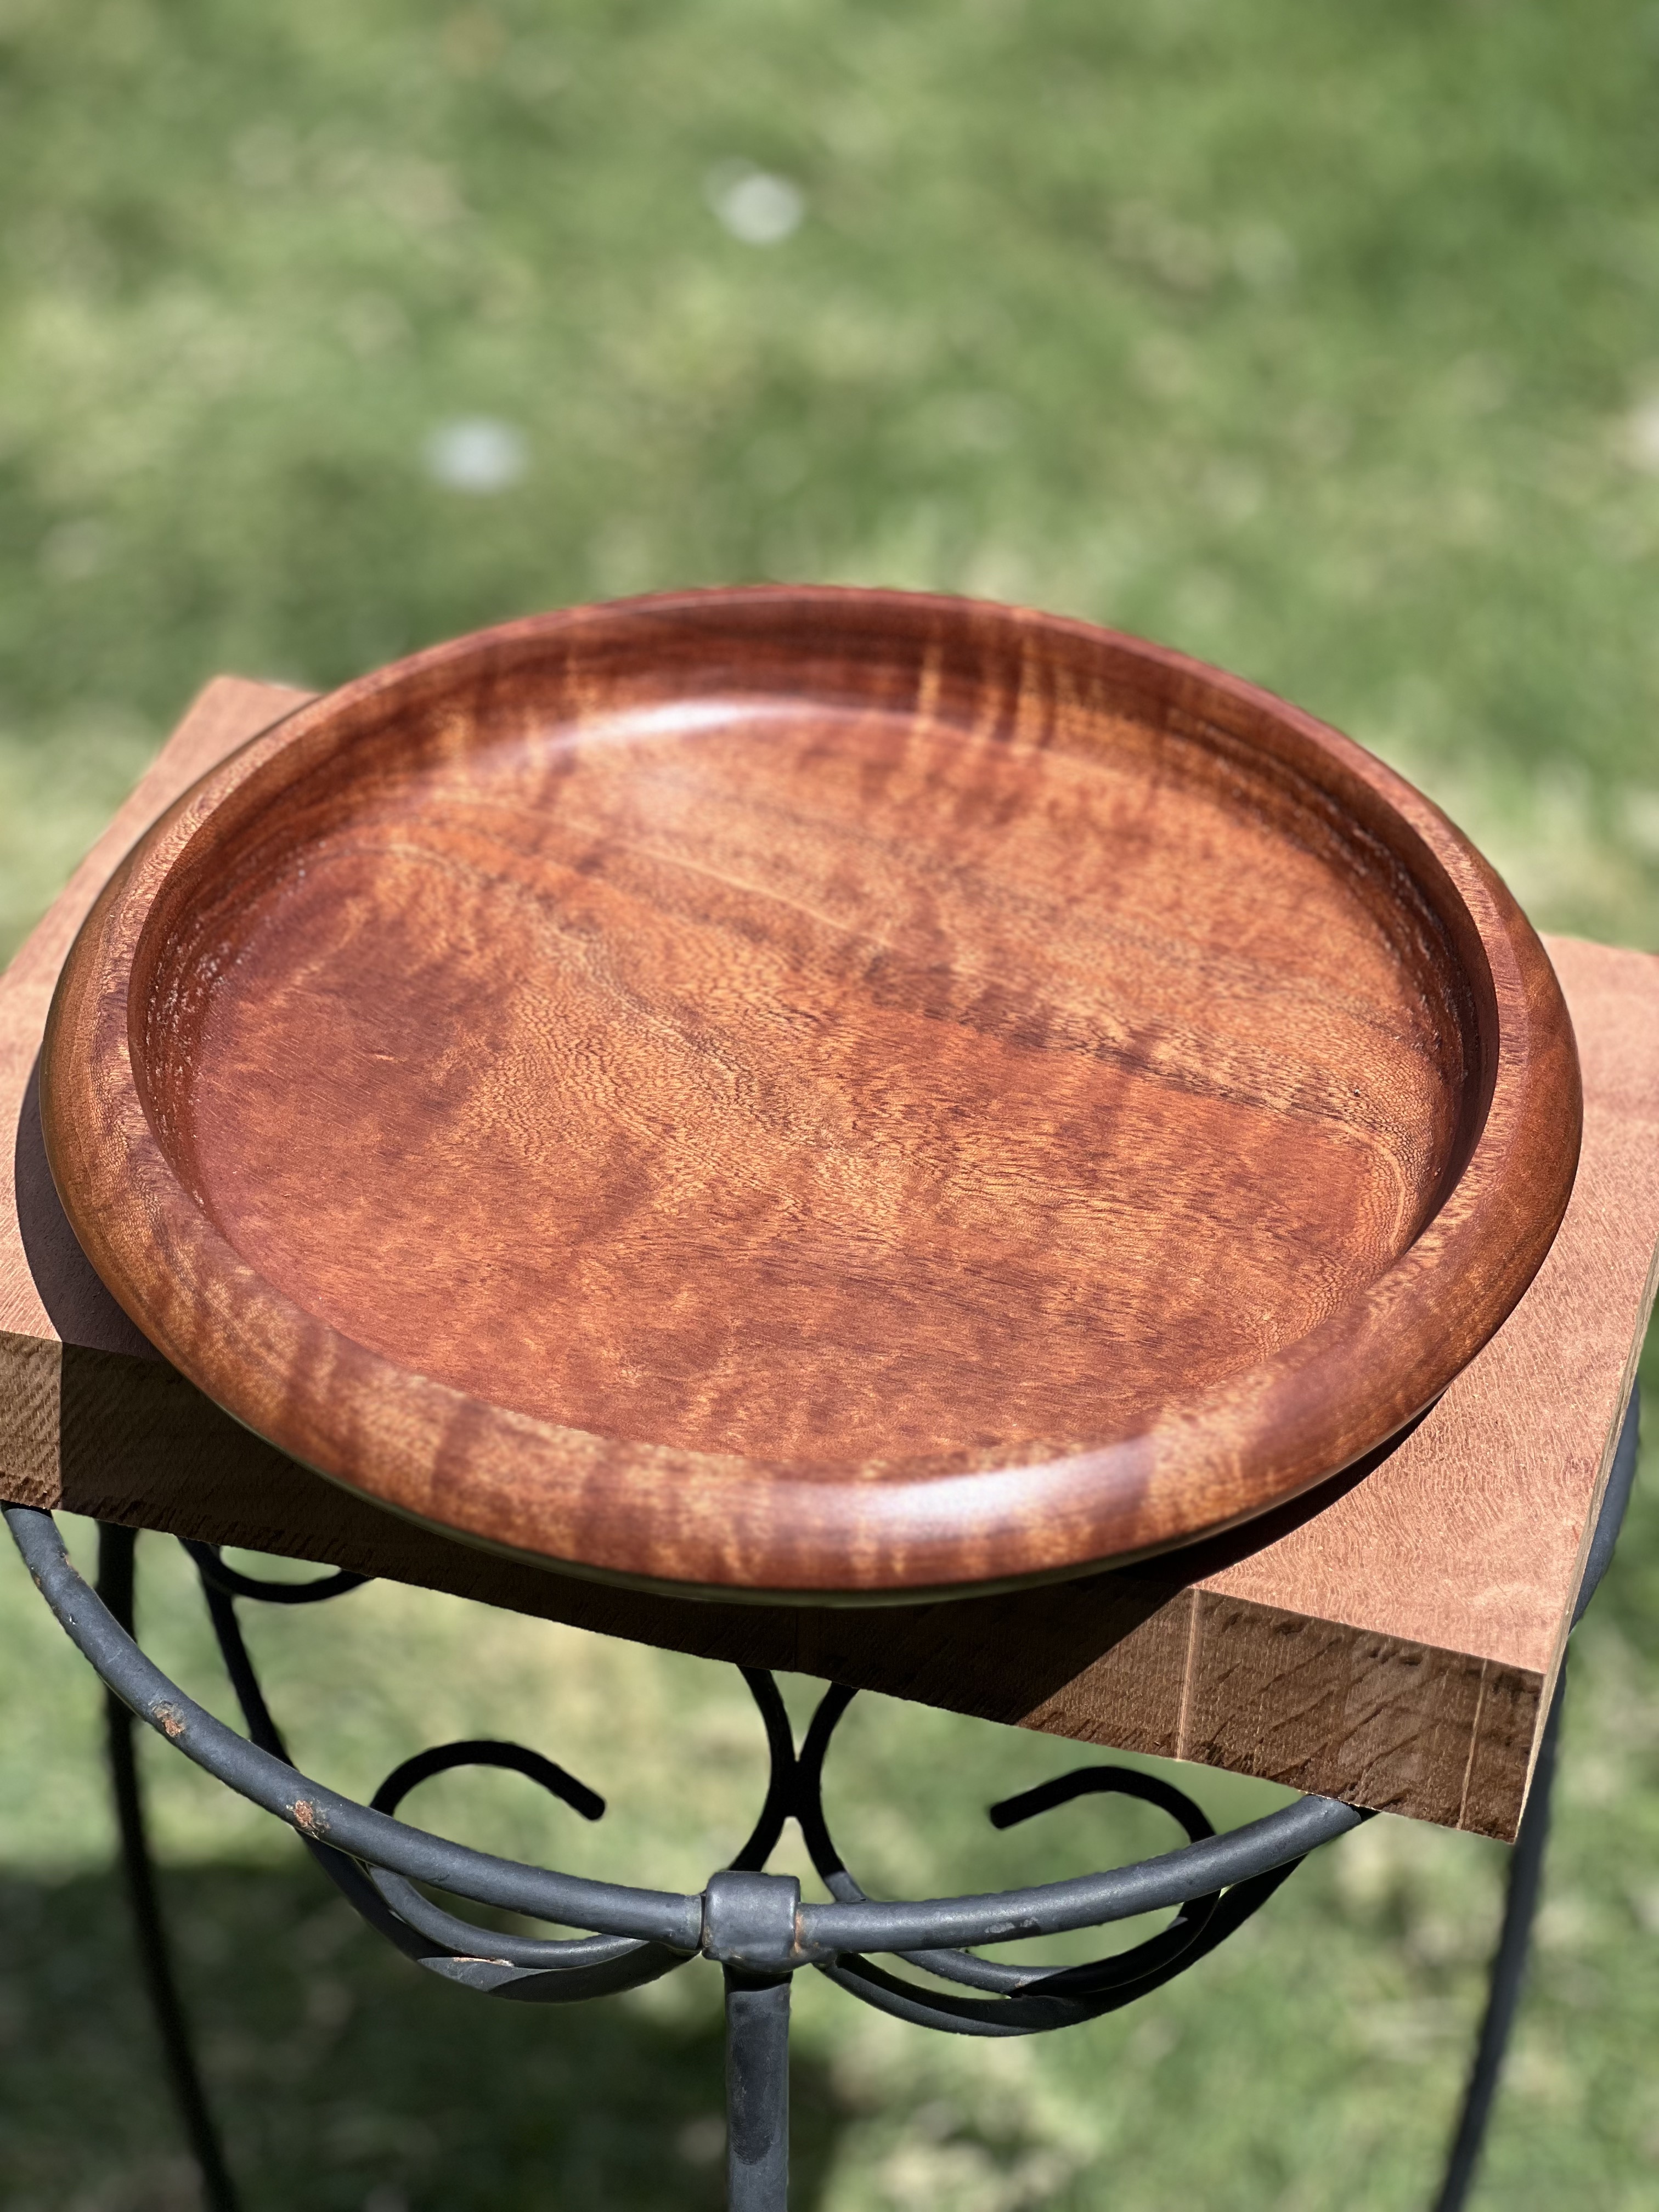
x: 1322, y: 342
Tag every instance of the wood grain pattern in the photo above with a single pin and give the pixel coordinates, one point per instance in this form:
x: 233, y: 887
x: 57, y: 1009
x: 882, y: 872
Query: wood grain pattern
x: 1308, y: 1646
x: 821, y: 1093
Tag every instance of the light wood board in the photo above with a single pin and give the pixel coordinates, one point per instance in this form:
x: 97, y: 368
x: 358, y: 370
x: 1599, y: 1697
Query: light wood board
x: 1391, y: 1640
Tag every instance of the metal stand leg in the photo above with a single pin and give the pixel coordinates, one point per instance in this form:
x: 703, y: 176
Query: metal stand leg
x: 1527, y: 1865
x: 756, y: 2092
x: 1508, y: 1965
x: 115, y: 1579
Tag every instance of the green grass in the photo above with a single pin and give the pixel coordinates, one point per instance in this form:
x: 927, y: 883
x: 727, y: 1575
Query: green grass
x: 1319, y: 341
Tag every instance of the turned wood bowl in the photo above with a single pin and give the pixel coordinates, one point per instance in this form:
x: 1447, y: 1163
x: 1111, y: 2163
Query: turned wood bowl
x: 812, y: 1094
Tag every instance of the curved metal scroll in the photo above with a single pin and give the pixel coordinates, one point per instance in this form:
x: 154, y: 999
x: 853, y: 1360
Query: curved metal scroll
x: 1024, y: 2000
x: 849, y: 1924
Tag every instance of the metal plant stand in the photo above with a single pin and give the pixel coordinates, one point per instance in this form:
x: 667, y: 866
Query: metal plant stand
x: 755, y: 1925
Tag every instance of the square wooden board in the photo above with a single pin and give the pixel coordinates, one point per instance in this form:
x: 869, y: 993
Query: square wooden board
x: 1393, y: 1640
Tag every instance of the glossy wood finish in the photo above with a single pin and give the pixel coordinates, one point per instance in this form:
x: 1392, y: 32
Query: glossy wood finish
x: 830, y: 1093
x: 1390, y: 1640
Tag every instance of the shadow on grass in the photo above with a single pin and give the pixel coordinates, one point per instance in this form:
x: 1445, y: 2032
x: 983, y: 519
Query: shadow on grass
x: 346, y: 2079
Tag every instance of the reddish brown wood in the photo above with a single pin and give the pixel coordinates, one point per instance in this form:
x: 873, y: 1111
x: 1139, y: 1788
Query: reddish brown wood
x: 815, y: 1092
x: 1393, y: 1645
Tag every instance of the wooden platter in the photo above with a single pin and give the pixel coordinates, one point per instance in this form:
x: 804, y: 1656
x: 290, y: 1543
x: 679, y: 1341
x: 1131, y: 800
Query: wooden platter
x: 812, y: 1093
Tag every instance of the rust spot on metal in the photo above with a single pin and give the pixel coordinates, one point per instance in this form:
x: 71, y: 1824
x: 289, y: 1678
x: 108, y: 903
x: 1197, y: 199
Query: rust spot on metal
x: 169, y: 1720
x: 307, y: 1819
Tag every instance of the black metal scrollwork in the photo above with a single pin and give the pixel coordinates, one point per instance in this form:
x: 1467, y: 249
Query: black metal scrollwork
x: 753, y: 1924
x: 1023, y: 2000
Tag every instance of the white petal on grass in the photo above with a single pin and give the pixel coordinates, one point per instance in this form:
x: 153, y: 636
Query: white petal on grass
x: 477, y: 454
x: 1641, y: 817
x: 1642, y: 437
x: 752, y: 205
